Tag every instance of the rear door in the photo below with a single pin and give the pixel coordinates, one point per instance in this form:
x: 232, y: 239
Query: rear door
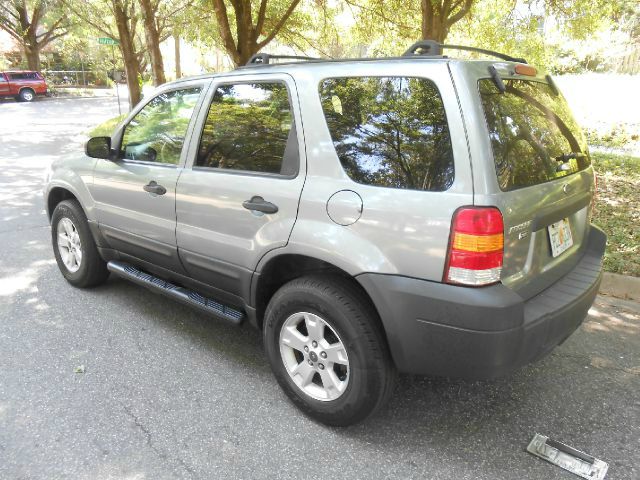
x: 135, y: 193
x: 239, y: 198
x: 544, y: 179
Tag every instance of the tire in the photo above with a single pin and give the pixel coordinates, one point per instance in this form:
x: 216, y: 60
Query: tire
x: 90, y: 270
x: 27, y: 95
x: 364, y: 384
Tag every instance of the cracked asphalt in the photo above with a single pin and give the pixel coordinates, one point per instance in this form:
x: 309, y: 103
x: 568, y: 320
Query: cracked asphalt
x: 168, y: 393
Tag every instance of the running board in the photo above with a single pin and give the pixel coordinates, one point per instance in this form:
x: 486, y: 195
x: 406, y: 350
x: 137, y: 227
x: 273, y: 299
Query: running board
x: 181, y: 294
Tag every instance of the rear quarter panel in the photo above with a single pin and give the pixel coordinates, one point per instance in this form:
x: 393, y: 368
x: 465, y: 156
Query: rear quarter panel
x: 400, y: 231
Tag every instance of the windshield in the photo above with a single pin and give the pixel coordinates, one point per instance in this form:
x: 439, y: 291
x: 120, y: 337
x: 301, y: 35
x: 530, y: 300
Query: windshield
x: 534, y: 137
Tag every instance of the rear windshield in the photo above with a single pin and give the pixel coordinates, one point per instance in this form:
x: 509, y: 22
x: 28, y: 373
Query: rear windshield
x: 533, y: 134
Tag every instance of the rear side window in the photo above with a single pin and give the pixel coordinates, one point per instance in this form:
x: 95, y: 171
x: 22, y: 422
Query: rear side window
x: 250, y: 128
x: 533, y: 134
x: 24, y: 76
x: 389, y: 131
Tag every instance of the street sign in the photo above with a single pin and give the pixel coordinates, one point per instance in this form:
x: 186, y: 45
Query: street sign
x: 107, y: 41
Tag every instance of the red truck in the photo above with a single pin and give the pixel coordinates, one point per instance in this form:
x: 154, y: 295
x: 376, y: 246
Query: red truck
x: 23, y: 85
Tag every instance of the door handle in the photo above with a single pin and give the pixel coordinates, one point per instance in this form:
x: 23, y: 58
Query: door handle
x: 153, y: 187
x: 259, y: 204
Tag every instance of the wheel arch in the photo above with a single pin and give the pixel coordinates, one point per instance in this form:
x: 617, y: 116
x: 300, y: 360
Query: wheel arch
x: 284, y: 267
x: 58, y: 194
x: 22, y: 89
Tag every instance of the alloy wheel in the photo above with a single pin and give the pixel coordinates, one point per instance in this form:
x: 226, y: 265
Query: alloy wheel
x: 69, y: 245
x: 314, y: 356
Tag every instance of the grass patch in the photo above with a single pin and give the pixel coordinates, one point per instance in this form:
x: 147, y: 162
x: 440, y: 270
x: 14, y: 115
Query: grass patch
x: 105, y: 129
x: 618, y: 210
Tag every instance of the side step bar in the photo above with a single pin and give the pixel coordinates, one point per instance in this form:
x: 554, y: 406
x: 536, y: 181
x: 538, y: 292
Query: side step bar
x: 181, y: 294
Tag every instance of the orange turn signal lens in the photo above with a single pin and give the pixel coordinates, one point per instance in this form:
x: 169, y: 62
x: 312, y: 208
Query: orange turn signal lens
x: 526, y: 70
x: 478, y: 243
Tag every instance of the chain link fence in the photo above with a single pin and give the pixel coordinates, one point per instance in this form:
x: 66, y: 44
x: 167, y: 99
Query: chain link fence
x: 77, y: 78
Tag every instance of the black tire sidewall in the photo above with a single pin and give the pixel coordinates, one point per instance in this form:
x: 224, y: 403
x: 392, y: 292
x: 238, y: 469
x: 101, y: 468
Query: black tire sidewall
x: 365, y: 370
x: 22, y: 92
x: 71, y: 210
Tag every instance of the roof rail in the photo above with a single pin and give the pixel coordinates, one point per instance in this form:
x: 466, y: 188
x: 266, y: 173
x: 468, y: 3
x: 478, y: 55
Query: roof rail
x: 433, y: 48
x: 265, y: 58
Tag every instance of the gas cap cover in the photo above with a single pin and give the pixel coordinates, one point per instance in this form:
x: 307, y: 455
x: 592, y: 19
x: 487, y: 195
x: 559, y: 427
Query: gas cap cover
x: 344, y: 207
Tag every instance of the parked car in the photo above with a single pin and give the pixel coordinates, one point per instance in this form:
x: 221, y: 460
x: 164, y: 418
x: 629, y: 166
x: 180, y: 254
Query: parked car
x: 24, y: 86
x: 420, y: 214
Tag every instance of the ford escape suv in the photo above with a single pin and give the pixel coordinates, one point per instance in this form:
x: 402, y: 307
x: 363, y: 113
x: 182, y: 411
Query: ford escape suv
x: 419, y: 214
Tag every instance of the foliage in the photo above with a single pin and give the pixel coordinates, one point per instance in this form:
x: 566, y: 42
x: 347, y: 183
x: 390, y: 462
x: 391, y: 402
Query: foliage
x: 34, y: 25
x: 617, y: 211
x: 244, y: 30
x: 618, y: 136
x: 106, y: 128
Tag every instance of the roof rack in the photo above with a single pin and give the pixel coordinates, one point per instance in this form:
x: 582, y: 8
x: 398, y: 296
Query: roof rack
x: 433, y: 48
x: 265, y: 58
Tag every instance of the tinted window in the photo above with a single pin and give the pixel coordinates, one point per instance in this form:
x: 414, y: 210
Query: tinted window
x: 24, y: 76
x: 156, y: 133
x: 249, y: 127
x: 389, y: 131
x: 533, y: 134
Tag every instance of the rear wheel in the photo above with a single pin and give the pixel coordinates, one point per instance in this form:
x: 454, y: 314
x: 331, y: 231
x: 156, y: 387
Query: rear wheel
x: 74, y: 248
x: 27, y: 95
x: 327, y: 350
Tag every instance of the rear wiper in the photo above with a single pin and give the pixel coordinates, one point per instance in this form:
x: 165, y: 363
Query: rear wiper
x: 568, y: 156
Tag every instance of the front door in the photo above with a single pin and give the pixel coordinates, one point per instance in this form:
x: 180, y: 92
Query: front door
x: 135, y: 193
x: 240, y: 197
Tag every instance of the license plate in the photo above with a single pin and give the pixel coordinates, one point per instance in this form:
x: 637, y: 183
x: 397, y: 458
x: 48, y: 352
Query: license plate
x: 560, y: 237
x: 564, y: 456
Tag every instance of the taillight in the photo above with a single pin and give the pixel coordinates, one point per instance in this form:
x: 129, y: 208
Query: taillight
x: 476, y: 247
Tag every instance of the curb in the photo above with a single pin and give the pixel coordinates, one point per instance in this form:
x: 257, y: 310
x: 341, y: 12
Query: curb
x: 620, y: 286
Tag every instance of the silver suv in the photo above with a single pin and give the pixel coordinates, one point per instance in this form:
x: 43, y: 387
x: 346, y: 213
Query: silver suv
x: 418, y: 214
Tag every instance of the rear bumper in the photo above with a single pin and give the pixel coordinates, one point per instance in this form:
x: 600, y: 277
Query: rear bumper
x: 478, y: 333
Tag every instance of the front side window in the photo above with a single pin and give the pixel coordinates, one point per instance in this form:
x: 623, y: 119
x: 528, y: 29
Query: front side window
x: 156, y: 133
x: 389, y: 131
x: 249, y: 127
x: 534, y: 137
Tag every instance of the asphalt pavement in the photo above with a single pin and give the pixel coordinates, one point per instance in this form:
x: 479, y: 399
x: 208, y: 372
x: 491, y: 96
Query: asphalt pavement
x: 169, y: 393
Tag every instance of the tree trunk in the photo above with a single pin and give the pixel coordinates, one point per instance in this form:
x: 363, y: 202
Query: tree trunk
x: 32, y: 54
x: 247, y: 42
x: 127, y: 48
x: 152, y: 38
x: 439, y: 15
x: 176, y: 40
x: 434, y: 24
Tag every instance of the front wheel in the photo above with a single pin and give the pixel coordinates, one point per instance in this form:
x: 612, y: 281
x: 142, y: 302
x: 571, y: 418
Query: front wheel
x: 74, y: 248
x: 327, y: 349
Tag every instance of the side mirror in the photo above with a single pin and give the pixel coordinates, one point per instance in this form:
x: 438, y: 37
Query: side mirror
x: 98, y: 147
